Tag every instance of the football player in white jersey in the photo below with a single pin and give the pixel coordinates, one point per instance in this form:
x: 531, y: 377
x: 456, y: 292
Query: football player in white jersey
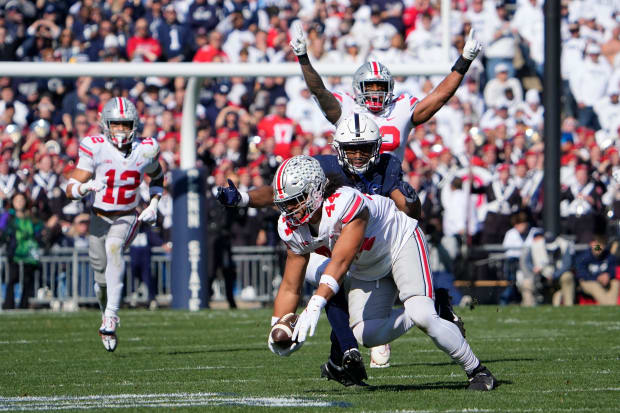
x: 384, y: 253
x: 373, y: 87
x: 112, y: 167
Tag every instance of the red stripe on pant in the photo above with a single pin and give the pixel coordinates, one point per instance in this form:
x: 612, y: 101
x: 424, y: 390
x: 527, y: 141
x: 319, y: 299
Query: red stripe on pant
x: 425, y: 264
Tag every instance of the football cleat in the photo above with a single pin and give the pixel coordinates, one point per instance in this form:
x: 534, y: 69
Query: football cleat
x: 481, y: 379
x: 380, y: 356
x: 444, y: 309
x: 353, y: 366
x: 107, y: 332
x: 332, y: 372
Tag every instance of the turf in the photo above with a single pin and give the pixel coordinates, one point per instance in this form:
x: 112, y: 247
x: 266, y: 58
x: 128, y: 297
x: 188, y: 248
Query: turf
x: 546, y: 359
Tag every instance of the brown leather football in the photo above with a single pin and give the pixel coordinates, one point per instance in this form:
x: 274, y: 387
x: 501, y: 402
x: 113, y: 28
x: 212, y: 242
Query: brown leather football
x: 282, y: 331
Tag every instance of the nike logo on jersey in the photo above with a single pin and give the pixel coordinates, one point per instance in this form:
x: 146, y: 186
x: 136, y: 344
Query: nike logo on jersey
x: 139, y: 163
x: 389, y: 119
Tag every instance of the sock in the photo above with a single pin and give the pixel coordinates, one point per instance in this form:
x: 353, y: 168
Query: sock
x: 114, y: 271
x: 445, y: 335
x: 337, y: 311
x: 336, y: 353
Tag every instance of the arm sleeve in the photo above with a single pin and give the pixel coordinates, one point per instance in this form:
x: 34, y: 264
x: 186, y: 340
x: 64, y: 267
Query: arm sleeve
x: 86, y: 160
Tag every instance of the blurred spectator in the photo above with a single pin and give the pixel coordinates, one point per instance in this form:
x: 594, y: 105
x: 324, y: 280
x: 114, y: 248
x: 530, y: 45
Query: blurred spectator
x: 22, y: 236
x: 142, y: 47
x: 545, y: 263
x: 588, y: 84
x: 580, y: 204
x: 279, y: 127
x: 515, y: 240
x: 503, y: 200
x: 500, y: 40
x: 219, y: 242
x: 212, y: 51
x: 495, y: 90
x: 173, y: 36
x: 203, y: 14
x: 458, y: 223
x: 596, y: 272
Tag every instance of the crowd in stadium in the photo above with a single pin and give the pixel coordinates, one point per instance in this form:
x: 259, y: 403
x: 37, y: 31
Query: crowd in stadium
x: 489, y: 133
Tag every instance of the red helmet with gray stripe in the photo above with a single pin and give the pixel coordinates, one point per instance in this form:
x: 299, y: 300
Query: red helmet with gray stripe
x: 373, y: 72
x: 298, y: 185
x: 119, y: 109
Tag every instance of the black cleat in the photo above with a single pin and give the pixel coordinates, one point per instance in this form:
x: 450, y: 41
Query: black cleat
x: 353, y: 366
x: 481, y: 379
x: 444, y: 309
x: 333, y: 372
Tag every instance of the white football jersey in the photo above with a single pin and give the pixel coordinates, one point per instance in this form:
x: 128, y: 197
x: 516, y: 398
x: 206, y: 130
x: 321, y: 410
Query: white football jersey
x: 394, y: 121
x: 387, y: 231
x: 121, y: 175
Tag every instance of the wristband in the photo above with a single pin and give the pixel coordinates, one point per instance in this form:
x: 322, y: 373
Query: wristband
x: 330, y: 282
x: 304, y: 59
x: 245, y: 199
x: 274, y: 320
x: 75, y: 189
x: 461, y: 65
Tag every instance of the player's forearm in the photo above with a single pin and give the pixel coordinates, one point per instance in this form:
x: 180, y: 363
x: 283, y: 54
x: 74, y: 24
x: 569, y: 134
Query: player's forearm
x: 261, y: 197
x: 328, y: 103
x: 437, y: 98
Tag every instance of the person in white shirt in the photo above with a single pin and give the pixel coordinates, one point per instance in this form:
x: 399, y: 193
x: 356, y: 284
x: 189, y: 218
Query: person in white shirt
x: 589, y: 84
x: 495, y: 89
x: 500, y: 41
x: 380, y: 249
x: 572, y: 52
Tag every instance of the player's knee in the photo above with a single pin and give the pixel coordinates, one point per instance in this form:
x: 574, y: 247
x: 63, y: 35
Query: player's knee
x: 358, y: 332
x: 114, y: 249
x: 421, y: 310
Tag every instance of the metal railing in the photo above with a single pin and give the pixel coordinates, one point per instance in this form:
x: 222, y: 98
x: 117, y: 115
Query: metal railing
x: 65, y: 276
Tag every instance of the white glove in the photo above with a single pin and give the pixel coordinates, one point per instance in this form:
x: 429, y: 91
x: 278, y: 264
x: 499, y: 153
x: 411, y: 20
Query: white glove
x: 149, y: 214
x: 298, y: 39
x: 92, y: 185
x: 283, y: 352
x: 472, y: 47
x: 309, y: 318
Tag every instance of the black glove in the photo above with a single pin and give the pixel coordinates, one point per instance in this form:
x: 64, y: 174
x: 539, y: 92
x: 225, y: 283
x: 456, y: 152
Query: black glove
x: 230, y: 196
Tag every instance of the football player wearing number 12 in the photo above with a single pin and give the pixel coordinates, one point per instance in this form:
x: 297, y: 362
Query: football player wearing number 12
x: 112, y: 167
x: 373, y: 88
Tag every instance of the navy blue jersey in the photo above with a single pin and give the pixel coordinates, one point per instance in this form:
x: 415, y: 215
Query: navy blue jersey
x: 381, y: 179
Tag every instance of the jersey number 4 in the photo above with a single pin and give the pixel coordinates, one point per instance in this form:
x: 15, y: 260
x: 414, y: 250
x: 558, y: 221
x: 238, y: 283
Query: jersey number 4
x: 122, y: 198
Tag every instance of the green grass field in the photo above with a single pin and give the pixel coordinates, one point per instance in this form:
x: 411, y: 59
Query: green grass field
x: 546, y: 360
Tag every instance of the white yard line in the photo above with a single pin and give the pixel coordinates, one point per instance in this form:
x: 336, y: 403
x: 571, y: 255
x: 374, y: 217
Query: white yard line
x: 165, y: 400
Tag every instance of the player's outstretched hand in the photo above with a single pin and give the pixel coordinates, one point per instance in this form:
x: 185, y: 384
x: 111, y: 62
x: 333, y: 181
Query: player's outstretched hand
x: 309, y: 318
x: 472, y: 46
x: 230, y: 196
x: 298, y: 39
x: 91, y: 186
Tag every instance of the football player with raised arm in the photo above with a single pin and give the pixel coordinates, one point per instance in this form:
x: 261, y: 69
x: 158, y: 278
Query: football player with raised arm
x: 357, y: 164
x: 373, y: 88
x: 112, y: 166
x: 382, y: 250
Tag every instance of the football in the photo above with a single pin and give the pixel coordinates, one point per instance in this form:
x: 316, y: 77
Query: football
x: 282, y: 331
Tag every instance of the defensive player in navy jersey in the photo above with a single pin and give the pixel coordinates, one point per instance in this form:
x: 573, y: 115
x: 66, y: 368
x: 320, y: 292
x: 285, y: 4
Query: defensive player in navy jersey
x: 358, y: 164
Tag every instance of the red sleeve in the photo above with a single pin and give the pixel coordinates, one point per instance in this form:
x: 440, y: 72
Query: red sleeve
x: 131, y: 47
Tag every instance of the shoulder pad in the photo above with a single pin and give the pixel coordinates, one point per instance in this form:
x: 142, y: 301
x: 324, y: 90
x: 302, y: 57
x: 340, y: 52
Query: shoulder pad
x: 149, y: 147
